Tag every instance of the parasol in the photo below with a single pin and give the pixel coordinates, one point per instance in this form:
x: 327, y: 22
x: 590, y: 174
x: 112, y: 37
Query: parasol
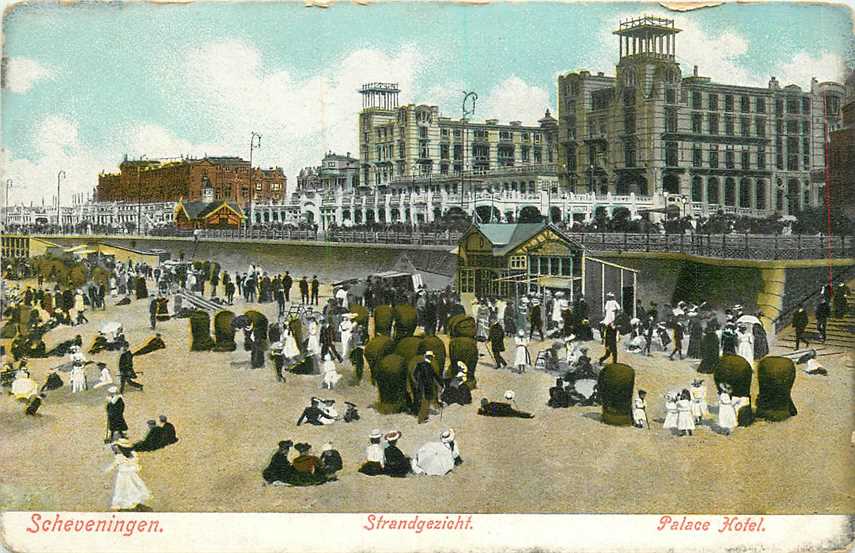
x: 585, y: 386
x: 748, y: 319
x: 111, y: 327
x: 433, y: 459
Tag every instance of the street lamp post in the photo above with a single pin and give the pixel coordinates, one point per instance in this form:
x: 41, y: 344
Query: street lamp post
x: 59, y: 176
x: 6, y: 203
x: 591, y: 180
x: 254, y: 144
x: 471, y: 97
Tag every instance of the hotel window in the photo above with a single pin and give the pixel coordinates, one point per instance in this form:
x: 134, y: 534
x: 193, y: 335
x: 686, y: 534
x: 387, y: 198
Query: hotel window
x: 728, y: 125
x: 744, y: 104
x: 806, y: 153
x: 728, y: 103
x: 805, y: 126
x: 760, y: 105
x: 629, y: 153
x: 779, y: 126
x: 401, y: 149
x: 729, y: 158
x: 504, y: 135
x: 760, y: 126
x: 671, y: 154
x: 378, y: 134
x: 524, y: 153
x: 423, y: 132
x: 538, y: 155
x: 670, y: 120
x: 629, y: 121
x: 696, y: 100
x: 443, y: 151
x: 792, y: 105
x: 423, y: 149
x: 713, y: 123
x: 670, y: 95
x: 458, y: 152
x: 746, y: 159
x: 525, y: 137
x: 443, y: 133
x: 457, y: 133
x: 517, y: 262
x: 537, y: 138
x: 805, y: 104
x: 714, y: 156
x: 745, y: 126
x: 792, y: 127
x: 792, y: 153
x: 257, y: 186
x: 697, y: 123
x: 713, y: 102
x: 697, y: 156
x: 761, y: 157
x: 466, y: 280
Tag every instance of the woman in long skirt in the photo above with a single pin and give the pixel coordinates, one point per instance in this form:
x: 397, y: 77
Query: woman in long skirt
x: 129, y: 491
x: 726, y: 412
x: 761, y: 343
x: 745, y: 343
x: 695, y: 337
x: 670, y: 412
x: 709, y: 350
x: 685, y: 422
x: 522, y: 358
x: 314, y: 345
x: 78, y: 377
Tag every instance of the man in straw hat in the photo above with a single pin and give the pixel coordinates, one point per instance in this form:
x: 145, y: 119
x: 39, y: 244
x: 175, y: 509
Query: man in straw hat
x: 456, y: 391
x: 425, y: 384
x: 501, y: 409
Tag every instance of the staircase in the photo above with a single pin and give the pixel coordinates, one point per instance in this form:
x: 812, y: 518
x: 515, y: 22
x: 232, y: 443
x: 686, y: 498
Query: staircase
x: 840, y: 335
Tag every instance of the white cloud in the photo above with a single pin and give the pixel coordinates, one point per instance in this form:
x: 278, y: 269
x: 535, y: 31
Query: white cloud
x: 804, y: 66
x: 23, y: 73
x: 514, y: 100
x: 720, y: 56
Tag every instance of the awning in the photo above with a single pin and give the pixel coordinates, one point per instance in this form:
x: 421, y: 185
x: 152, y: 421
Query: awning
x: 565, y: 283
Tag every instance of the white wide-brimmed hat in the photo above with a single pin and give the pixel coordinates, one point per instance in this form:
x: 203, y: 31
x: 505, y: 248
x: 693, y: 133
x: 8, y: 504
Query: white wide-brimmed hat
x: 447, y: 436
x: 393, y: 436
x: 375, y: 434
x: 509, y: 395
x: 112, y: 389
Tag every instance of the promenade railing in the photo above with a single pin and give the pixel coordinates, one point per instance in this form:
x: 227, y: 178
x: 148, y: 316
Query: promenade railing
x: 724, y: 246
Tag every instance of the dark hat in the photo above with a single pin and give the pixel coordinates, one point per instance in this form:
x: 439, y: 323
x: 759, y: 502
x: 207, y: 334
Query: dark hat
x: 286, y: 443
x: 303, y: 447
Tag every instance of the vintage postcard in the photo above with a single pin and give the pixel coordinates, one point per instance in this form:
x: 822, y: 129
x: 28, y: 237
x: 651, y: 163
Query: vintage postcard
x: 417, y: 276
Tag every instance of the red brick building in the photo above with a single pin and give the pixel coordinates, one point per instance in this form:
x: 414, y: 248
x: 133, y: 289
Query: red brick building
x: 160, y: 181
x: 842, y: 161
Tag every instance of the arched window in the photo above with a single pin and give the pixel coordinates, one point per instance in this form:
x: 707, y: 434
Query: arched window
x: 744, y: 193
x: 629, y: 78
x: 697, y: 189
x: 760, y: 194
x: 712, y: 191
x: 792, y: 196
x: 729, y: 192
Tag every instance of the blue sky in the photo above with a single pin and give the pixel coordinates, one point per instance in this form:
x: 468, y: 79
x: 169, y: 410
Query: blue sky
x: 89, y: 83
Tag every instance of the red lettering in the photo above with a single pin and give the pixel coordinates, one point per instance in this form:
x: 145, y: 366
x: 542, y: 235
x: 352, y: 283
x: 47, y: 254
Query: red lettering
x: 69, y: 524
x: 35, y: 518
x: 663, y: 522
x: 89, y: 525
x: 370, y: 525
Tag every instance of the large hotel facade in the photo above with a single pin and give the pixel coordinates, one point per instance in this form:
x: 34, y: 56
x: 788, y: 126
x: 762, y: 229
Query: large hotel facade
x: 648, y: 139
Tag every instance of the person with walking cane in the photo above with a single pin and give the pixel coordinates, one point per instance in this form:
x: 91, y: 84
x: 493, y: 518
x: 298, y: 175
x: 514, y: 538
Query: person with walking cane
x: 497, y: 344
x: 639, y: 411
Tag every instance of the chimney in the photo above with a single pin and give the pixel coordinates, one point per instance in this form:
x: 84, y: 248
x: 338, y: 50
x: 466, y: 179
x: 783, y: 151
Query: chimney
x: 695, y: 71
x: 600, y: 74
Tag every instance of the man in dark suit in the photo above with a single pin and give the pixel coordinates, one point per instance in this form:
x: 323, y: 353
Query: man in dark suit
x: 153, y: 439
x: 316, y: 286
x: 279, y: 293
x: 167, y: 429
x: 152, y: 312
x: 425, y: 385
x: 497, y: 344
x: 501, y: 409
x: 823, y: 312
x: 800, y: 322
x: 304, y: 290
x: 328, y: 341
x: 116, y: 424
x: 126, y: 370
x: 287, y: 282
x: 610, y: 337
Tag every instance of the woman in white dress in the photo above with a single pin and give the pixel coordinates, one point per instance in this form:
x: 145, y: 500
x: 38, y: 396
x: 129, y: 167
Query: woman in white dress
x: 670, y: 412
x: 745, y: 343
x: 521, y: 355
x: 314, y: 345
x: 129, y: 491
x: 291, y: 350
x: 726, y: 411
x: 699, y: 400
x: 78, y: 377
x: 105, y: 377
x: 346, y: 329
x: 331, y: 375
x: 685, y: 422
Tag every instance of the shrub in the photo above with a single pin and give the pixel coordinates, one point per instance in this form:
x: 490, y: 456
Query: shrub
x: 391, y: 377
x: 776, y: 376
x: 200, y: 331
x: 223, y: 331
x: 615, y: 384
